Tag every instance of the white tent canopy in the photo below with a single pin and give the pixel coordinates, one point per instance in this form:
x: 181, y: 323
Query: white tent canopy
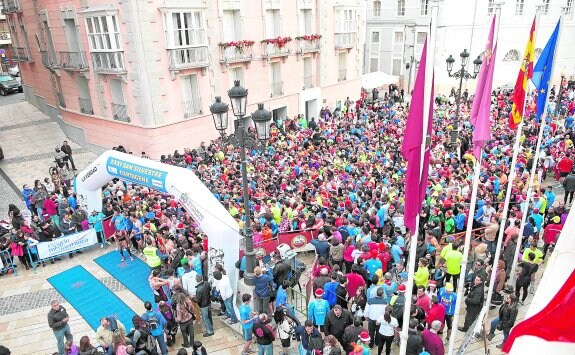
x: 377, y: 79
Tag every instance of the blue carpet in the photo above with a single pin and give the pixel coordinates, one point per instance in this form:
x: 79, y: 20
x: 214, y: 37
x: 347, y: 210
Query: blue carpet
x: 90, y: 297
x: 132, y: 274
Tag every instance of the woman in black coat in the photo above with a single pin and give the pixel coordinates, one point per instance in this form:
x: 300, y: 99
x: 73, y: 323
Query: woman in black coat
x: 506, y: 319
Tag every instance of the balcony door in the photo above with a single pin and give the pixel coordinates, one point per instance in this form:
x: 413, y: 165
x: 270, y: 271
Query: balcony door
x: 72, y: 35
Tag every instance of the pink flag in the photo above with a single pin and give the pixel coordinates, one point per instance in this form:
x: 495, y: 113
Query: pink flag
x: 479, y: 90
x: 482, y: 101
x: 416, y: 182
x: 482, y: 129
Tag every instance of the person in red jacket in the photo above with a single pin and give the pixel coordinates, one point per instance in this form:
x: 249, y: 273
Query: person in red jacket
x: 551, y: 232
x: 565, y: 165
x: 51, y: 209
x: 437, y: 312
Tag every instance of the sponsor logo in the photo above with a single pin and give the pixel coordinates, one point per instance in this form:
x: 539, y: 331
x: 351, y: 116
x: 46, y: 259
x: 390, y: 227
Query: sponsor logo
x: 89, y: 173
x: 299, y: 241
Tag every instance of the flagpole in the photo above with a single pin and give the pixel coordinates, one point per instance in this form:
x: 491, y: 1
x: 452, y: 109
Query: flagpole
x: 543, y: 120
x: 461, y: 281
x: 499, y: 241
x: 427, y: 101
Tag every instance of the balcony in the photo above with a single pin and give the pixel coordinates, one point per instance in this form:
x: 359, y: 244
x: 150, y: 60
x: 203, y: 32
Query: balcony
x: 307, y: 46
x: 191, y: 57
x: 276, y: 47
x: 108, y: 62
x: 308, y: 81
x: 5, y: 38
x: 20, y: 54
x: 48, y: 60
x: 73, y: 61
x: 120, y: 112
x: 236, y: 54
x: 11, y: 6
x: 86, y: 106
x: 342, y: 75
x: 192, y: 108
x: 345, y: 40
x: 277, y: 89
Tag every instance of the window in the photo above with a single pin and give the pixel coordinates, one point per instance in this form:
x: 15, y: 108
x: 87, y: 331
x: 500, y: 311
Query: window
x: 273, y: 23
x: 375, y: 37
x: 519, y: 5
x: 546, y: 5
x: 511, y: 56
x: 276, y: 79
x: 306, y: 23
x: 232, y: 26
x: 186, y: 29
x: 400, y: 7
x: 377, y: 8
x: 237, y: 73
x: 342, y: 73
x: 396, y: 70
x: 103, y: 33
x: 398, y: 43
x: 569, y: 9
x: 421, y: 36
x: 424, y: 7
x: 490, y: 7
x: 373, y: 65
x: 307, y: 73
x: 191, y: 95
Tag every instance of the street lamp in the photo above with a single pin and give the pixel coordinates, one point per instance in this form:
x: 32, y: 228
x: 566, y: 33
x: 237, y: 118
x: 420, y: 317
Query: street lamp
x: 460, y: 74
x: 262, y: 120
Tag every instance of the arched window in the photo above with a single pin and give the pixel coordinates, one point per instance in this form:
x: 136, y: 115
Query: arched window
x: 377, y: 8
x: 537, y: 53
x: 511, y: 56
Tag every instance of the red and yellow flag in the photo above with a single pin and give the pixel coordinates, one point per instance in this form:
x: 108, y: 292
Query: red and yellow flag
x: 525, y: 73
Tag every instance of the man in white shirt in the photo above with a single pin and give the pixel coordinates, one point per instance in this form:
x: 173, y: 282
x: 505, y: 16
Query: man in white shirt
x: 189, y: 282
x: 223, y: 285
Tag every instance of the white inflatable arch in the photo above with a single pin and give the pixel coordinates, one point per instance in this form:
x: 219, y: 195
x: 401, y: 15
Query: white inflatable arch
x: 183, y: 184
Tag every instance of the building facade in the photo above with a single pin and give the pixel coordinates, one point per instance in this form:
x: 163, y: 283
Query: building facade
x: 5, y: 42
x: 396, y: 31
x: 143, y: 73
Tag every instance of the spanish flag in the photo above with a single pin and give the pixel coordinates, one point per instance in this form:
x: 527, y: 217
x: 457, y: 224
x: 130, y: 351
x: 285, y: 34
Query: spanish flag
x: 525, y: 74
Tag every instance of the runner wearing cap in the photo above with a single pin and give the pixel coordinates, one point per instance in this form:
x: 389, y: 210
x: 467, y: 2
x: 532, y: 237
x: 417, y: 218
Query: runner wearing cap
x: 448, y: 299
x: 317, y: 310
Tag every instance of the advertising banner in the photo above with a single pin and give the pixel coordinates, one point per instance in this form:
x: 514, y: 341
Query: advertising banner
x: 67, y: 244
x: 138, y: 174
x: 108, y: 229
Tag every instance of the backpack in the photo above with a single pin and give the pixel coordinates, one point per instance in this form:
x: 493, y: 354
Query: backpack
x: 152, y: 321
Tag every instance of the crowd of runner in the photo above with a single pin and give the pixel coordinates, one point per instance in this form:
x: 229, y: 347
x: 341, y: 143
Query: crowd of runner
x: 342, y: 174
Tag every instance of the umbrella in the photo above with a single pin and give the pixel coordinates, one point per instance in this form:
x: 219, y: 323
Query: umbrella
x: 377, y: 79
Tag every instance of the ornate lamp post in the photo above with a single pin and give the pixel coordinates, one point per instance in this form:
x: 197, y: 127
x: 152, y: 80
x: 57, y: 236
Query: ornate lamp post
x: 460, y: 74
x: 262, y: 119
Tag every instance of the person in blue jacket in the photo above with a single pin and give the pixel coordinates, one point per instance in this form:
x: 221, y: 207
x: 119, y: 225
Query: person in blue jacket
x: 263, y: 283
x: 157, y: 323
x: 317, y: 310
x: 329, y: 290
x: 307, y: 337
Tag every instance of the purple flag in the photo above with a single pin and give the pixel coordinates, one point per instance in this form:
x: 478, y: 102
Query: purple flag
x: 416, y: 181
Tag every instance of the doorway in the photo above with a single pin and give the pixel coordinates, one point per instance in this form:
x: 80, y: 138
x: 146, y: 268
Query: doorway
x: 279, y: 113
x: 311, y: 109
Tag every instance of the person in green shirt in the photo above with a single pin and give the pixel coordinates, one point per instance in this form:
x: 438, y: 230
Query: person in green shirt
x: 453, y: 262
x: 421, y: 276
x: 533, y: 250
x: 449, y: 223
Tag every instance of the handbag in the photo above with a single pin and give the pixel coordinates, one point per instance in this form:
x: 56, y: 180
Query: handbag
x: 272, y: 290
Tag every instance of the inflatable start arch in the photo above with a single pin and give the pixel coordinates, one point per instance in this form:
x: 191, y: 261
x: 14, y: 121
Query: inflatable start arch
x: 183, y: 184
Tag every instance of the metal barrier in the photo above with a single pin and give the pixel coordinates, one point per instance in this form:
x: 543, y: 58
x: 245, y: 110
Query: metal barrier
x: 6, y: 263
x: 62, y: 246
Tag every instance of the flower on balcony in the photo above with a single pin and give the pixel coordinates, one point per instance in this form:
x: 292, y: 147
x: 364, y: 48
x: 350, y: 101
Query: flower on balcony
x: 280, y: 41
x: 308, y: 38
x: 240, y: 45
